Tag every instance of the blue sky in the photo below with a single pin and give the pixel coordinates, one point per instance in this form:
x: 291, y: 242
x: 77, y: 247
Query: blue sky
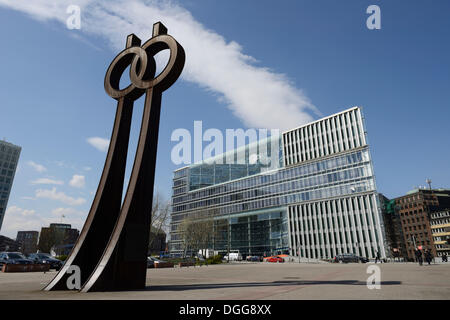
x: 249, y: 64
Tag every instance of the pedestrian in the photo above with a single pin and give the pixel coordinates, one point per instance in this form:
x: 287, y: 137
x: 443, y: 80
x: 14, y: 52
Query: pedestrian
x: 419, y: 256
x: 377, y: 258
x: 428, y: 256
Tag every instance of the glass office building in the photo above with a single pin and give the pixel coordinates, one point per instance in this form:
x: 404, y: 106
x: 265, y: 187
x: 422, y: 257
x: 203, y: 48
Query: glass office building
x: 9, y: 157
x: 317, y: 199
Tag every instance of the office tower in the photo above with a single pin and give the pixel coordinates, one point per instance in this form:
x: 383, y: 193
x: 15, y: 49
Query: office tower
x: 9, y: 157
x: 318, y: 201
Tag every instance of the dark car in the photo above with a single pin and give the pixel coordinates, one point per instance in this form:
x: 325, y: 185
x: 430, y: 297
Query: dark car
x: 253, y: 258
x: 13, y: 258
x: 363, y: 259
x: 349, y: 257
x: 45, y: 258
x: 346, y: 258
x: 151, y: 261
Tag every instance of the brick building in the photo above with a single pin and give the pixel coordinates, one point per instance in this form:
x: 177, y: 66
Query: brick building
x: 415, y: 209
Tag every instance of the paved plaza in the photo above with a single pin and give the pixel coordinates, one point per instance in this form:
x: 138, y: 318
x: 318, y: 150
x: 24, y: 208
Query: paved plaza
x: 240, y: 281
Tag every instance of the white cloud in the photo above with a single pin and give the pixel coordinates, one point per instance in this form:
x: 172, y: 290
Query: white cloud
x: 251, y: 92
x: 99, y: 143
x: 14, y: 210
x: 77, y: 181
x: 64, y: 164
x: 19, y: 219
x: 27, y: 198
x: 36, y: 166
x: 59, y: 196
x: 47, y: 181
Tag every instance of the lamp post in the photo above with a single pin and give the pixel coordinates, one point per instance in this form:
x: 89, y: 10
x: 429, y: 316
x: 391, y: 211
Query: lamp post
x: 229, y: 240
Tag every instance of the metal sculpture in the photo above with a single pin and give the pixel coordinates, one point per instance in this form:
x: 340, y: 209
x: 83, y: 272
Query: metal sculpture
x: 111, y: 250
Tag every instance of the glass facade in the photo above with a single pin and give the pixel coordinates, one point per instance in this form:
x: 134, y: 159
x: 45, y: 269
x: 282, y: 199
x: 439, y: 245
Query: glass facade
x: 9, y: 157
x: 236, y: 164
x: 251, y: 206
x: 254, y: 234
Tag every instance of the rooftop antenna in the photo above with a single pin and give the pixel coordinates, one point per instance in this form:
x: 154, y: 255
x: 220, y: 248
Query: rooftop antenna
x: 429, y: 183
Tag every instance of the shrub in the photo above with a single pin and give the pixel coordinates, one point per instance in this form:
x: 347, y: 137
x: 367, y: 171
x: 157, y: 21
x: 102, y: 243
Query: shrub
x: 214, y: 260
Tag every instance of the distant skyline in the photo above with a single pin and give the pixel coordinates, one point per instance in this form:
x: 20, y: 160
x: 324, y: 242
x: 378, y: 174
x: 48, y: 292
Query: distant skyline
x: 244, y: 60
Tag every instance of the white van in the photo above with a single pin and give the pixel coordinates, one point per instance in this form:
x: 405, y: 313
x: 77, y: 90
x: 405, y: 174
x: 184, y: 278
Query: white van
x: 234, y: 256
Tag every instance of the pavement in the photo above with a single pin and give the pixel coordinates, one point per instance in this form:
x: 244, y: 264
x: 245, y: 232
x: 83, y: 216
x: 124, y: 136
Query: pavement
x: 267, y: 281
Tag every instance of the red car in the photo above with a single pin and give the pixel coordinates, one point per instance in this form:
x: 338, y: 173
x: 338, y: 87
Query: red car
x: 275, y: 259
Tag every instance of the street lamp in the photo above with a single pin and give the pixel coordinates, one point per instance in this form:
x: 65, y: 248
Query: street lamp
x: 229, y: 239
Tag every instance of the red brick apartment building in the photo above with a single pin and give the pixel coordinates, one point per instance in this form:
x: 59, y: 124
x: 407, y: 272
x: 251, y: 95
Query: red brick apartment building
x: 415, y: 210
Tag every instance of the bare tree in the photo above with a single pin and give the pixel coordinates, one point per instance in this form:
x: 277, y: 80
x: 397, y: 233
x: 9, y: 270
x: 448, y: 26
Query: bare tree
x: 197, y: 232
x: 160, y: 218
x: 186, y: 236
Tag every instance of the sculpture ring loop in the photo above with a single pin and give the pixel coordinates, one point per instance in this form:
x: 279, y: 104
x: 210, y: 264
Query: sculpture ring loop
x: 172, y: 70
x: 143, y: 68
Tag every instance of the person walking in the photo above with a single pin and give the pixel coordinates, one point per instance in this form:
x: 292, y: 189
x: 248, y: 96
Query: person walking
x: 419, y: 256
x: 428, y: 256
x: 378, y: 258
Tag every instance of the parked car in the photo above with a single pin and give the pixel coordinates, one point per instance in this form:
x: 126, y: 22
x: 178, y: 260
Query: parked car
x: 13, y: 258
x: 151, y: 261
x: 46, y: 258
x: 275, y: 259
x: 363, y: 259
x: 200, y: 257
x: 252, y: 258
x: 349, y: 257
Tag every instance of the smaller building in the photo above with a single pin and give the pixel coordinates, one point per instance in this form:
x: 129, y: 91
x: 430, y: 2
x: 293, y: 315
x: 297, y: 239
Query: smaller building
x: 415, y: 210
x: 28, y: 241
x: 157, y: 241
x: 440, y: 227
x: 7, y: 244
x: 57, y: 234
x: 393, y: 229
